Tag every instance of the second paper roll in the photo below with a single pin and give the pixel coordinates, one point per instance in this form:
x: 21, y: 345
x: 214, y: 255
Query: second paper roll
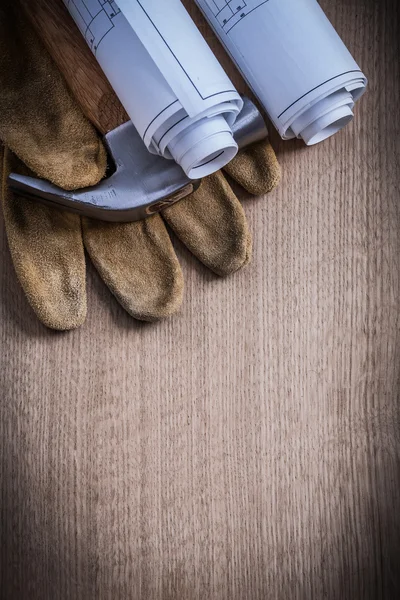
x: 293, y: 60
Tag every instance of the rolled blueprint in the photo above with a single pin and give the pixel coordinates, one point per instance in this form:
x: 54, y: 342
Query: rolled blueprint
x: 294, y: 61
x: 174, y: 90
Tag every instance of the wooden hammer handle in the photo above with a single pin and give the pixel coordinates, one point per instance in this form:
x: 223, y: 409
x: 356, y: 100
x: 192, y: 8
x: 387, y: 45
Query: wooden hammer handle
x: 76, y: 62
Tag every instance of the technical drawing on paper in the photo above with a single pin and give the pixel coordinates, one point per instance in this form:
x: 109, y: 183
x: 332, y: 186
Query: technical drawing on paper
x: 230, y: 12
x: 95, y: 18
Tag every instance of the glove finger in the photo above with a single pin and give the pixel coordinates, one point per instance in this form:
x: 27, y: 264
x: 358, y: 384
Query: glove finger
x: 212, y: 224
x: 39, y: 119
x: 138, y: 264
x: 255, y: 168
x: 48, y: 255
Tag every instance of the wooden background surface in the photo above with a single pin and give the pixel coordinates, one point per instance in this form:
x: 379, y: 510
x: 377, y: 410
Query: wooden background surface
x: 247, y: 449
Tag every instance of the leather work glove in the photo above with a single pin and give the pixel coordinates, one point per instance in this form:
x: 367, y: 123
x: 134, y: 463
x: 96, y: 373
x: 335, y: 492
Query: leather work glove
x: 41, y: 124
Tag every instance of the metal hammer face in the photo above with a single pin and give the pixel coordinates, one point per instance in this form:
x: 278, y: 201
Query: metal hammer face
x: 142, y: 183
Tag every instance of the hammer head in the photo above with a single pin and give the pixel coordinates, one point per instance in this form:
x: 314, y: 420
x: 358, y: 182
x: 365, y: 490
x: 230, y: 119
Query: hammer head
x: 141, y: 184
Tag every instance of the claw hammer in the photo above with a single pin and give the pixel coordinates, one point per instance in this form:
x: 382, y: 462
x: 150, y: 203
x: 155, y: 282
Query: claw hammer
x: 140, y: 183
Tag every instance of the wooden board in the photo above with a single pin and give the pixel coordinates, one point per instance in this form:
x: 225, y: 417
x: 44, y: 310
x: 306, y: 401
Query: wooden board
x: 247, y: 449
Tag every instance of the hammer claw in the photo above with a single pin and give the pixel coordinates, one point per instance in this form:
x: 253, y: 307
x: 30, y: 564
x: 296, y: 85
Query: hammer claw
x: 141, y: 184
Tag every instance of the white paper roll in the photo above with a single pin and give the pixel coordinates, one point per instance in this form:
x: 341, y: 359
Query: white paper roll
x: 172, y: 87
x: 294, y: 61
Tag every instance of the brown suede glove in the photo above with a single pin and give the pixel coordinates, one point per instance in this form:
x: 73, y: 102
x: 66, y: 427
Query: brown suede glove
x: 42, y: 125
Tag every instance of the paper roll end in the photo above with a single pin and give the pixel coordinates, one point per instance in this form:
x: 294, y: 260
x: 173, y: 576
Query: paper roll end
x: 325, y: 118
x: 327, y: 126
x: 205, y: 148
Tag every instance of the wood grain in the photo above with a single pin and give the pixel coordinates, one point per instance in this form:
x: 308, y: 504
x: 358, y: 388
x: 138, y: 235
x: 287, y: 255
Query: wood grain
x: 249, y: 448
x: 76, y: 62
